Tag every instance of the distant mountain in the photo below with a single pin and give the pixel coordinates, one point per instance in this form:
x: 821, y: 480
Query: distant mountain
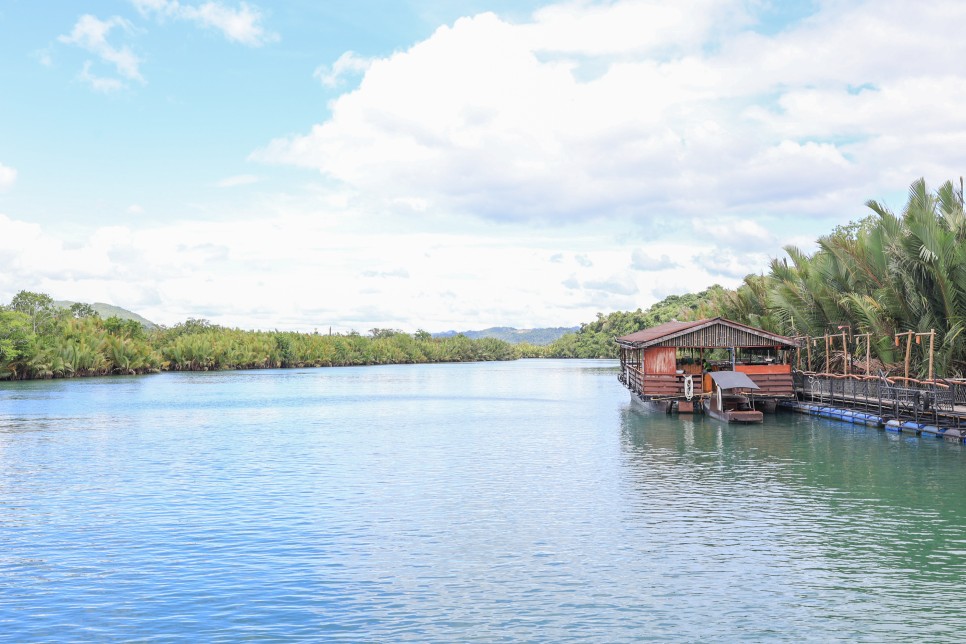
x: 514, y: 336
x: 109, y: 310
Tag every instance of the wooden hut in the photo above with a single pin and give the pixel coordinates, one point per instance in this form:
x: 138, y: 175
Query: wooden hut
x: 670, y: 363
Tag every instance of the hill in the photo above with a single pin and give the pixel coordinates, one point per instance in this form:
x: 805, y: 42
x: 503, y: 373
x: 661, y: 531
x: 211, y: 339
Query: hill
x: 596, y: 339
x: 512, y: 335
x: 109, y: 310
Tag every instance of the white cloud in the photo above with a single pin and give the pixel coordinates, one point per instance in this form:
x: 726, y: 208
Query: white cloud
x: 99, y: 83
x: 739, y: 234
x: 689, y: 112
x: 242, y: 24
x: 617, y: 284
x: 397, y: 272
x: 349, y: 63
x: 237, y: 180
x: 334, y: 270
x: 91, y: 34
x: 642, y: 261
x: 8, y: 176
x: 731, y: 264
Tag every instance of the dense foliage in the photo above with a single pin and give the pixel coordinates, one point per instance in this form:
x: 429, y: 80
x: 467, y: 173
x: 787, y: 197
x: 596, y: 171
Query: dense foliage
x: 596, y: 339
x: 883, y: 275
x: 40, y: 340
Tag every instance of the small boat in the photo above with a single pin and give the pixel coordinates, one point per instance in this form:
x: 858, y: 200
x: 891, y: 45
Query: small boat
x: 729, y: 401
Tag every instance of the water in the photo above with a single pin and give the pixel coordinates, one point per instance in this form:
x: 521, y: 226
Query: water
x: 520, y: 501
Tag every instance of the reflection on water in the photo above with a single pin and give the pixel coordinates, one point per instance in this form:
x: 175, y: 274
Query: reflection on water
x: 505, y: 501
x: 850, y: 522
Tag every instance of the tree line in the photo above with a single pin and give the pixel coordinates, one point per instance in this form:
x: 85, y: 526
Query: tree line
x: 39, y: 340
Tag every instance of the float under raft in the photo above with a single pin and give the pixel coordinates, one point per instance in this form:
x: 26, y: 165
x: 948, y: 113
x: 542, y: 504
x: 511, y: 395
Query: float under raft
x: 873, y: 420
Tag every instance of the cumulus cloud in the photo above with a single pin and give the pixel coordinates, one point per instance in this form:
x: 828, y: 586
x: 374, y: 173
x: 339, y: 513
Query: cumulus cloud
x: 348, y: 64
x: 583, y: 260
x: 690, y: 111
x: 91, y: 34
x: 242, y: 24
x: 731, y: 264
x: 641, y: 261
x: 8, y: 176
x: 739, y: 234
x: 234, y: 273
x: 618, y: 284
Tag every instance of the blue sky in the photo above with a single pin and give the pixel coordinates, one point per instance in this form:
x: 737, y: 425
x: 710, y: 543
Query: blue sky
x: 435, y: 165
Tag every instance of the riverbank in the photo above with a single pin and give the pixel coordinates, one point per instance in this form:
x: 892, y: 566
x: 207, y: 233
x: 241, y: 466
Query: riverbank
x: 93, y: 347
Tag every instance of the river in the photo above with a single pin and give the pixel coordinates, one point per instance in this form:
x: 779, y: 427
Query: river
x: 514, y: 501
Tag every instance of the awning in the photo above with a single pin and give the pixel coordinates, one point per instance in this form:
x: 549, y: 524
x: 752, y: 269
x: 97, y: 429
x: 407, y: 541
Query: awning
x: 733, y: 380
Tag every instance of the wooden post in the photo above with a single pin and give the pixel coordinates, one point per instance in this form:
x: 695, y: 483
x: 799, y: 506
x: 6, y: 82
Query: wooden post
x: 932, y: 346
x: 908, y: 335
x: 868, y: 354
x: 845, y: 355
x: 868, y: 351
x: 808, y: 350
x: 798, y: 349
x: 828, y: 343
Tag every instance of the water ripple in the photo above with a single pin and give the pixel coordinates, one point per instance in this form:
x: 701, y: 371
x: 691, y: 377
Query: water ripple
x: 497, y: 502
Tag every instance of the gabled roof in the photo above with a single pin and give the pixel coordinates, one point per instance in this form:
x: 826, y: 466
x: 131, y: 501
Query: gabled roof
x: 714, y: 333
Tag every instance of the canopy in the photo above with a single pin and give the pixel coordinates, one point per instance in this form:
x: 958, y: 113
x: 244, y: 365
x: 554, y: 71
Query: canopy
x: 733, y: 380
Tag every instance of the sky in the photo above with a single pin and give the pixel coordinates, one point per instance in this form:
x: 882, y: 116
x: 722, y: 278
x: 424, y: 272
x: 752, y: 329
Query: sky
x: 364, y: 164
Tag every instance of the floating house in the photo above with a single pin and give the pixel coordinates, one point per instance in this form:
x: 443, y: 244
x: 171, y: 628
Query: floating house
x: 672, y: 364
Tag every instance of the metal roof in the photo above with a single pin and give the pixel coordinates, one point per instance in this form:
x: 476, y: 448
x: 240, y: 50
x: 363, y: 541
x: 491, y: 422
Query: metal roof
x: 714, y: 333
x: 732, y: 380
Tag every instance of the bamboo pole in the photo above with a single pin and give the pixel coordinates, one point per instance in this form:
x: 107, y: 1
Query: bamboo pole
x: 868, y: 354
x: 908, y: 335
x: 845, y: 355
x: 828, y: 344
x: 932, y: 346
x: 798, y: 349
x: 868, y: 351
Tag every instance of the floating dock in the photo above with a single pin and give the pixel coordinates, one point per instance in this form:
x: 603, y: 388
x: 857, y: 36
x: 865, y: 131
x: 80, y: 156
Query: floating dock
x: 899, y: 405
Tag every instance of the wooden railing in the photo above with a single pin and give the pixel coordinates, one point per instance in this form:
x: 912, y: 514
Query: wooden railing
x: 896, y: 397
x: 660, y: 385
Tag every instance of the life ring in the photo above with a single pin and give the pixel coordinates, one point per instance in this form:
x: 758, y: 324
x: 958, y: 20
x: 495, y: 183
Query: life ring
x: 688, y: 388
x: 720, y: 404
